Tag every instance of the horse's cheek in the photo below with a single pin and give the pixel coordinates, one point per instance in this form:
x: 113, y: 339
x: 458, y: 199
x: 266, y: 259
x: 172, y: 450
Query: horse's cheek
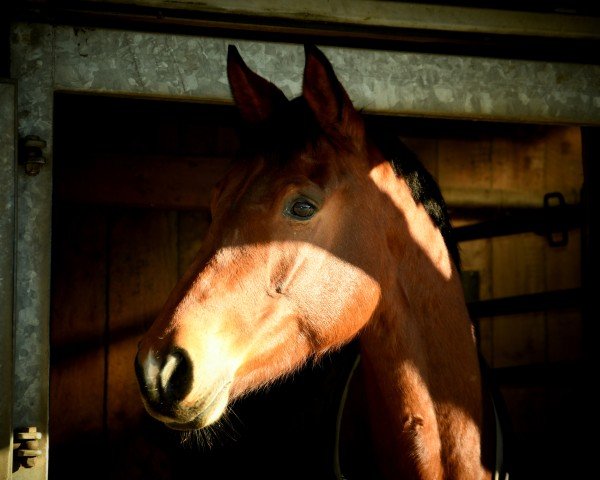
x: 328, y: 306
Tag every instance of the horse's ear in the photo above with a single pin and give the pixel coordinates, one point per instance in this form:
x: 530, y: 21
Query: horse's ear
x: 255, y: 97
x: 326, y: 96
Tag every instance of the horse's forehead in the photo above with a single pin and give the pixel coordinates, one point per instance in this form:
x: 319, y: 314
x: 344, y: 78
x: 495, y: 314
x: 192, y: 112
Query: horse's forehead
x: 261, y: 179
x: 272, y: 172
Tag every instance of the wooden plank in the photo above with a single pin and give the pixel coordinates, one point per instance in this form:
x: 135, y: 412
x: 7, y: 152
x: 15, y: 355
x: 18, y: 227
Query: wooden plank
x: 210, y: 136
x: 78, y: 318
x: 564, y: 174
x: 142, y: 273
x: 426, y: 150
x: 590, y: 139
x: 517, y: 268
x: 565, y: 335
x: 518, y: 261
x: 227, y: 138
x: 143, y: 180
x: 564, y: 167
x: 563, y: 264
x: 564, y: 327
x: 143, y: 270
x: 464, y: 162
x: 519, y: 164
x: 526, y: 163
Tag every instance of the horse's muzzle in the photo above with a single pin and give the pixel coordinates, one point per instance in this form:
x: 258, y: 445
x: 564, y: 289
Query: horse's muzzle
x: 164, y: 380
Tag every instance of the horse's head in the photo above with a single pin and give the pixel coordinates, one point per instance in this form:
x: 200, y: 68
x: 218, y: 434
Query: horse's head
x: 286, y: 270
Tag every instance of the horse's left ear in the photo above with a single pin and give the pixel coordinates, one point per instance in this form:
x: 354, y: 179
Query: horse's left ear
x: 256, y: 98
x: 327, y: 98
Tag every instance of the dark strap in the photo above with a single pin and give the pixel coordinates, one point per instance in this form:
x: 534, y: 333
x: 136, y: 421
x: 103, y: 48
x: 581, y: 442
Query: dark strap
x: 338, y: 425
x: 499, y: 473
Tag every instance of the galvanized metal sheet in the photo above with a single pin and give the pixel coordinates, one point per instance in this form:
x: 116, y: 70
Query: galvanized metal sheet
x: 8, y: 135
x: 33, y: 66
x: 395, y: 83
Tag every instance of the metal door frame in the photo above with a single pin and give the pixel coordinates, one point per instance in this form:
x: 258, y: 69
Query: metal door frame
x: 8, y: 150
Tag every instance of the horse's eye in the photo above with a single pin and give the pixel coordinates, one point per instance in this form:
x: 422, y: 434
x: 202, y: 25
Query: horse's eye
x: 302, y: 209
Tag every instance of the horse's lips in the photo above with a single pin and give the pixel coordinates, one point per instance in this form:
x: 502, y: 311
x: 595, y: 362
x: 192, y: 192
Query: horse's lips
x: 192, y: 425
x: 196, y: 422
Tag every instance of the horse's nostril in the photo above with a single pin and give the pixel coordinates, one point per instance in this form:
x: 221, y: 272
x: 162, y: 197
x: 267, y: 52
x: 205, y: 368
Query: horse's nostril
x: 175, y: 377
x: 142, y: 377
x: 164, y: 381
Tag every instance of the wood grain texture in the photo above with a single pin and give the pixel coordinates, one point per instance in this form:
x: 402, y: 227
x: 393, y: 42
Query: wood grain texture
x: 142, y: 273
x: 78, y: 323
x: 143, y: 270
x: 143, y: 180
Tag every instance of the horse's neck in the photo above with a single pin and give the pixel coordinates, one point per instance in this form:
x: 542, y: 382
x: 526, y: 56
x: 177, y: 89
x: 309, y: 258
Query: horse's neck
x: 423, y: 392
x: 420, y: 367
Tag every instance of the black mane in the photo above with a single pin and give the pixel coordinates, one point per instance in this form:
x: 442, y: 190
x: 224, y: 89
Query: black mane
x: 422, y: 185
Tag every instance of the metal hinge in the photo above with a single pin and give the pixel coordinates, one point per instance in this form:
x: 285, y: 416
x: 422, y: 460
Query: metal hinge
x: 26, y: 447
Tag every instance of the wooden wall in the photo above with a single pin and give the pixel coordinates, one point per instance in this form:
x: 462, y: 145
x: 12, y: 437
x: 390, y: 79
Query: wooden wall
x: 130, y: 211
x: 132, y: 182
x: 487, y: 169
x: 123, y: 232
x: 537, y: 355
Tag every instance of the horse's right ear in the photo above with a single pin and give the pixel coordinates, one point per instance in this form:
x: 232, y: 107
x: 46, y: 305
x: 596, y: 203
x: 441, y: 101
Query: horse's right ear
x: 255, y: 97
x: 327, y: 98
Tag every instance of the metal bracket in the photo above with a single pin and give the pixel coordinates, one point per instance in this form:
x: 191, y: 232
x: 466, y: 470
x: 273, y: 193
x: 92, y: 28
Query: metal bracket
x: 553, y: 222
x: 557, y: 233
x: 26, y: 447
x: 31, y: 154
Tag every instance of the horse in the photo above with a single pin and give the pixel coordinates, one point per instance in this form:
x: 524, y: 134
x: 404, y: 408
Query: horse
x: 325, y: 231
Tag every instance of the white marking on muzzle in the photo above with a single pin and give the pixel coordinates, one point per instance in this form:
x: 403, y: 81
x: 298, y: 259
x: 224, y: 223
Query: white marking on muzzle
x: 167, y: 371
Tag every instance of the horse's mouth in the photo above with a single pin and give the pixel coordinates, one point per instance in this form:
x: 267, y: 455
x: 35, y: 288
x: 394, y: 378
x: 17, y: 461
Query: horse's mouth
x: 193, y: 425
x: 210, y: 412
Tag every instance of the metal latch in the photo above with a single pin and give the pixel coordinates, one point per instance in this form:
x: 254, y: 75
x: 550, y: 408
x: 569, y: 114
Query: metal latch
x: 26, y: 447
x: 31, y: 154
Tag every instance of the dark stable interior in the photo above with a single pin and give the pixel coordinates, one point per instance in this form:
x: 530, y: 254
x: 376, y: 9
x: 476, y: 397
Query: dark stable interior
x: 132, y: 180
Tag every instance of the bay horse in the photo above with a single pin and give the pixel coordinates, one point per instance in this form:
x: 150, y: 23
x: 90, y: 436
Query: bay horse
x: 323, y: 232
